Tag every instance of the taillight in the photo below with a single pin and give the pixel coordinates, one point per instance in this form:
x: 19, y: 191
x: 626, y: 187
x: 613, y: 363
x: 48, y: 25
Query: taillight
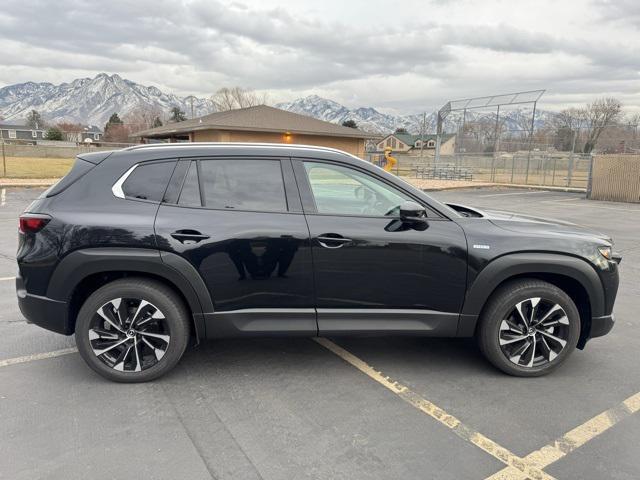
x: 32, y: 223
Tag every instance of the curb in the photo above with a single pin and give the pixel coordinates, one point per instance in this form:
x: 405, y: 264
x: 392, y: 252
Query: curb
x: 28, y: 183
x: 509, y: 185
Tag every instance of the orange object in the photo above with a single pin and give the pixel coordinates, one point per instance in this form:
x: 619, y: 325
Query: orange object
x: 391, y: 161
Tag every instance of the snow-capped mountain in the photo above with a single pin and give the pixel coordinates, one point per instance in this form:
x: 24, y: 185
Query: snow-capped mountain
x: 370, y: 119
x: 367, y: 118
x: 90, y: 100
x: 93, y: 100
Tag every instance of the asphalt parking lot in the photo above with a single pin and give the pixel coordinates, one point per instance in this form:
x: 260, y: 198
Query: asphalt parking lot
x: 345, y: 408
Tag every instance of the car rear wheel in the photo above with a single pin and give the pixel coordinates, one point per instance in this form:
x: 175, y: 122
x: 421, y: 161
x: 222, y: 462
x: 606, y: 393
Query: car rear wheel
x: 132, y: 330
x: 528, y: 328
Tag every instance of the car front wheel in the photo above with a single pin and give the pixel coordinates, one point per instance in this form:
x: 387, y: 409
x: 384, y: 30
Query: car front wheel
x: 132, y: 330
x: 528, y: 328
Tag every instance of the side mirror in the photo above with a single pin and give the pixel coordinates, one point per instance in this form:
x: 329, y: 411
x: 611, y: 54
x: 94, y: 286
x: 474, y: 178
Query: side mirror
x: 412, y: 212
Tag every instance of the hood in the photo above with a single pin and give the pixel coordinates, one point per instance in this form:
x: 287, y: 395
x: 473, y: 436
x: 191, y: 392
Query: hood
x: 529, y: 224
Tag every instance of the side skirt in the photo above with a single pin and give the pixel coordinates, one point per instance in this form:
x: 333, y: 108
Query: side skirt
x: 367, y: 321
x: 330, y: 322
x: 255, y: 322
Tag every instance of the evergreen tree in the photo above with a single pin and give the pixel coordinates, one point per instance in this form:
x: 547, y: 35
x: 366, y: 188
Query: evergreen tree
x: 34, y: 120
x: 177, y: 115
x: 54, y: 133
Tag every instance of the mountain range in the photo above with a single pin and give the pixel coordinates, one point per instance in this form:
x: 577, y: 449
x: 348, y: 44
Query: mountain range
x: 93, y: 100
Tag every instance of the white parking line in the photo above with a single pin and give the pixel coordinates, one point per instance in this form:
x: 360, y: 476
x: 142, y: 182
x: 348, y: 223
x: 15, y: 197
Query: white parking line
x: 37, y: 356
x: 514, y: 463
x: 3, y: 197
x: 516, y: 193
x: 6, y: 279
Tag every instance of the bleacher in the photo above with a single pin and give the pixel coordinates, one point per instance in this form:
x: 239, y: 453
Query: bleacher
x: 445, y: 171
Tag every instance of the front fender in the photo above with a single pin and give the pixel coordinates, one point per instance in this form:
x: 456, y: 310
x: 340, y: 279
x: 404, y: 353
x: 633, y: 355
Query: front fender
x: 518, y: 264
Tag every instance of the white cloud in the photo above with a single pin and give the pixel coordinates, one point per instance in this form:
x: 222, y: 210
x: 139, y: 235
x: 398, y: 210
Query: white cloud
x: 409, y: 56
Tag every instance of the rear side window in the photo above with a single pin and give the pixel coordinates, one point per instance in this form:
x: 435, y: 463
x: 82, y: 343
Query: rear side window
x: 237, y: 184
x: 79, y: 169
x: 148, y: 181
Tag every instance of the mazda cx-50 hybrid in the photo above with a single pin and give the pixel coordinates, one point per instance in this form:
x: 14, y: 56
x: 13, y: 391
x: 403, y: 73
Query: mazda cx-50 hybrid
x: 142, y: 251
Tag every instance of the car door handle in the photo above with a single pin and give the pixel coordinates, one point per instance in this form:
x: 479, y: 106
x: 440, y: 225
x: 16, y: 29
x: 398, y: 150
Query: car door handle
x: 189, y: 235
x: 332, y: 240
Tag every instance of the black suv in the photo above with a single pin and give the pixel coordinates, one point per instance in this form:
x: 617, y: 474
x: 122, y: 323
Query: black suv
x: 138, y: 251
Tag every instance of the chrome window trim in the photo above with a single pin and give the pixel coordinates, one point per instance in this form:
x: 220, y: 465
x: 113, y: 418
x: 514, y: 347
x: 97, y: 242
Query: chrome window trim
x: 117, y: 187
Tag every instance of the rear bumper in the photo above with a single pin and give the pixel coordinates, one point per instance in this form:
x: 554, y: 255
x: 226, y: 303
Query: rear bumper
x: 43, y: 311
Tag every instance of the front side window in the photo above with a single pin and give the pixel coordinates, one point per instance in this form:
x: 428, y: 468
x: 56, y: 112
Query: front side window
x: 12, y: 134
x: 148, y: 181
x: 344, y: 191
x: 241, y: 184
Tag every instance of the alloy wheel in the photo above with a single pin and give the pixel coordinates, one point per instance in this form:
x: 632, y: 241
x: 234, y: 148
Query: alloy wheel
x: 534, y: 332
x: 129, y: 334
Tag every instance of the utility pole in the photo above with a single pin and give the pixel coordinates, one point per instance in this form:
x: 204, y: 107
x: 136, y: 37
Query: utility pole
x: 422, y: 129
x: 4, y: 159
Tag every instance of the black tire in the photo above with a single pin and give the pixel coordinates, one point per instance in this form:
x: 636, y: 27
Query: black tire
x: 174, y: 325
x: 500, y: 339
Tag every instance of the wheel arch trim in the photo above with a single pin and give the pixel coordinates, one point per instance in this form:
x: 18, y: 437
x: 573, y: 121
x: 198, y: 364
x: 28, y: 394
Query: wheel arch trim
x: 80, y: 264
x: 518, y: 264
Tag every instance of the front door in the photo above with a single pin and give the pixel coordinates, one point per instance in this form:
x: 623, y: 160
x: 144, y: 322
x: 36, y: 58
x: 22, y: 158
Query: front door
x: 239, y: 222
x: 372, y: 271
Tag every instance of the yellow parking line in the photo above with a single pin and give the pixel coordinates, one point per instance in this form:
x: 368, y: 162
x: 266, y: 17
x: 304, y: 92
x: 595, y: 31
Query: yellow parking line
x: 574, y: 439
x: 37, y: 356
x: 3, y: 279
x: 515, y: 463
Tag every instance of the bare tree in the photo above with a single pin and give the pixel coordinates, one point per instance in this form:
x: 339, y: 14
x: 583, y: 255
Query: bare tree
x: 142, y: 117
x: 570, y: 118
x: 599, y: 115
x: 71, y: 131
x: 236, y: 97
x: 567, y: 124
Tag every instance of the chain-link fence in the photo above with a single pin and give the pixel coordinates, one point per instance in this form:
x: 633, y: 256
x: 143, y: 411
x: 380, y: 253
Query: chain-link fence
x: 521, y: 168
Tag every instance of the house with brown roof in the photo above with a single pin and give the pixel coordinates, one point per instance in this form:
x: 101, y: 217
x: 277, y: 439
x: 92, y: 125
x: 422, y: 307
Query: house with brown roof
x: 261, y: 124
x: 413, y: 144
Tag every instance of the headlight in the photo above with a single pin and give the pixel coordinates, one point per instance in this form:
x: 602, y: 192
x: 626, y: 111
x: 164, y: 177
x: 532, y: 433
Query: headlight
x: 605, y: 252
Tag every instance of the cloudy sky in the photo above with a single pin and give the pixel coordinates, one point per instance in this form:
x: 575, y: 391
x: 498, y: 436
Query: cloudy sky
x: 400, y: 56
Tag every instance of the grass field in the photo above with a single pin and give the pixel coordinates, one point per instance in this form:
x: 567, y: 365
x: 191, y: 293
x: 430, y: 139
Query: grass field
x: 35, y: 167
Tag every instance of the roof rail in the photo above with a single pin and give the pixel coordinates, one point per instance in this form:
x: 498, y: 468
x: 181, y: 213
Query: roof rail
x: 234, y: 144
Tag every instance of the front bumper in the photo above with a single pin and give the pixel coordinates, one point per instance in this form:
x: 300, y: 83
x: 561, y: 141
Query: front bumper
x: 601, y: 325
x: 43, y: 311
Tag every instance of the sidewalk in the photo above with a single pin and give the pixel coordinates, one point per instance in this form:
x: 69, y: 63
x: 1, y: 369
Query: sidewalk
x: 27, y: 182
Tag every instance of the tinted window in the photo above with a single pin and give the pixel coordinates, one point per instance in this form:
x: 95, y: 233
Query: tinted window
x: 148, y: 181
x: 190, y: 194
x: 243, y: 184
x: 345, y: 191
x: 80, y: 168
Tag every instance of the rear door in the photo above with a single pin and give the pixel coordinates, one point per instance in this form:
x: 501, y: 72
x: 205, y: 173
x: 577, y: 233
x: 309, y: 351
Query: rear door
x: 239, y: 221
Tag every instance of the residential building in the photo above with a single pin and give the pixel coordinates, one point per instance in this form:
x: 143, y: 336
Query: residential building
x: 262, y: 124
x: 408, y: 143
x: 86, y: 134
x: 21, y: 133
